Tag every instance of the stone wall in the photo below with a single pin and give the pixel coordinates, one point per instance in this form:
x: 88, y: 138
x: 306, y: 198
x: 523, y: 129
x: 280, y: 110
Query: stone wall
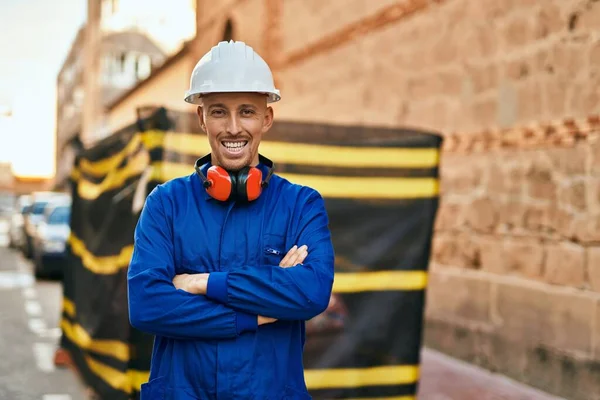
x: 513, y: 85
x: 515, y: 278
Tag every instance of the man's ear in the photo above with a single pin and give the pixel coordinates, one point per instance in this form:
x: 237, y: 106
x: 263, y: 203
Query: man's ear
x: 268, y: 119
x: 200, y: 113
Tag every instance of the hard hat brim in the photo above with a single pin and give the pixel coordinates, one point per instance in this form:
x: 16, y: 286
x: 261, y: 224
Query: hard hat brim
x: 196, y: 98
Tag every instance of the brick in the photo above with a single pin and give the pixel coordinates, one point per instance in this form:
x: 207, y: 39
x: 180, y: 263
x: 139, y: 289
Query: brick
x: 593, y: 272
x: 589, y: 18
x: 569, y: 161
x: 584, y: 98
x: 484, y: 112
x: 451, y: 294
x: 449, y: 216
x: 492, y: 255
x: 524, y: 258
x: 593, y: 195
x: 450, y: 83
x: 586, y: 228
x: 594, y: 154
x: 517, y: 32
x: 595, y: 53
x: 423, y: 87
x: 535, y: 314
x: 529, y: 96
x: 483, y: 76
x: 483, y: 214
x: 444, y: 249
x: 597, y: 338
x: 469, y: 251
x: 516, y: 179
x: 540, y: 179
x: 516, y: 69
x: 566, y: 58
x: 553, y: 96
x: 444, y: 52
x: 496, y: 182
x: 560, y: 221
x: 574, y: 195
x: 536, y: 217
x: 565, y: 265
x: 512, y: 215
x: 548, y: 20
x: 459, y: 177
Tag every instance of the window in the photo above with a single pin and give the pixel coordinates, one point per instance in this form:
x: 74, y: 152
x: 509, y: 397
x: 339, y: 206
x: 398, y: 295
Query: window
x: 38, y: 207
x: 60, y: 215
x: 143, y: 66
x: 122, y: 61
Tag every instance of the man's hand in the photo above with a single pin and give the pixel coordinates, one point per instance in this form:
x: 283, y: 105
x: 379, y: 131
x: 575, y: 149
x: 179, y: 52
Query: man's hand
x: 265, y: 320
x: 194, y: 283
x: 294, y: 256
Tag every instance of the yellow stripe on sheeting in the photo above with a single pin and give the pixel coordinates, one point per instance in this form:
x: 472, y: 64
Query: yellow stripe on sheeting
x: 345, y: 156
x: 114, y: 179
x: 367, y: 187
x: 125, y: 382
x: 69, y: 307
x: 78, y: 335
x: 106, y: 165
x: 137, y: 378
x: 353, y: 282
x: 101, y: 265
x: 334, y: 186
x: 316, y: 154
x: 154, y: 139
x: 358, y: 377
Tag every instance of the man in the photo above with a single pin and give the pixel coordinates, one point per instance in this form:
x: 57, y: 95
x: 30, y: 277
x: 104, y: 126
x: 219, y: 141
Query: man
x: 210, y: 276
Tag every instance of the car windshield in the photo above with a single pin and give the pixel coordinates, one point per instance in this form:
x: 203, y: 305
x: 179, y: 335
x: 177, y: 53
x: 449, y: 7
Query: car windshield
x: 60, y: 215
x: 38, y: 207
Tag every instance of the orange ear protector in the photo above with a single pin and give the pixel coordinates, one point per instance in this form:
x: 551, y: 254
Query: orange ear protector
x: 243, y: 185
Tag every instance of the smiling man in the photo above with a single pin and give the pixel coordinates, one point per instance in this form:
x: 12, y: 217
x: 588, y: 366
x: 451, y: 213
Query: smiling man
x: 230, y: 261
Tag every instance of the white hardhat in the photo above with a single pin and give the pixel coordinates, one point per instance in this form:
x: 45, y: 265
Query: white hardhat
x: 231, y: 67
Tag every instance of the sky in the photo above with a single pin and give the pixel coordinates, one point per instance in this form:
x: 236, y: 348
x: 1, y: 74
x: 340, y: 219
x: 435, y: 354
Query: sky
x: 37, y: 35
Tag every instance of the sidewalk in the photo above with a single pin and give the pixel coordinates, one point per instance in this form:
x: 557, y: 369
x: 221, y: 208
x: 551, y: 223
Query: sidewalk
x: 445, y: 378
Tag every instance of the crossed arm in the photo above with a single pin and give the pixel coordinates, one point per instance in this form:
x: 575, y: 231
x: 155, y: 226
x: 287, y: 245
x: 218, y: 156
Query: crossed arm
x: 225, y: 304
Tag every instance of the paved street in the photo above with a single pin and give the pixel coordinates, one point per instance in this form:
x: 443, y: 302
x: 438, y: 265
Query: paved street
x: 444, y: 378
x: 29, y: 317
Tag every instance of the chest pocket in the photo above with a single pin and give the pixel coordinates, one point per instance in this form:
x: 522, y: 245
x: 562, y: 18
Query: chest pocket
x: 273, y: 249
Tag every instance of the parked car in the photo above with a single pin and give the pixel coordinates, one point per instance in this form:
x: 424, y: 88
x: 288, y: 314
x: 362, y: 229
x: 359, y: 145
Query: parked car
x: 50, y: 240
x: 34, y: 215
x: 7, y: 203
x: 16, y: 235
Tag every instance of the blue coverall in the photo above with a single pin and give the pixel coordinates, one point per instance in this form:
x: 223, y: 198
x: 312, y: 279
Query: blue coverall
x: 210, y: 347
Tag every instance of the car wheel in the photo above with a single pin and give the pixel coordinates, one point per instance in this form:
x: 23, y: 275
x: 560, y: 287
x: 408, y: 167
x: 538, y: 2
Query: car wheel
x: 38, y: 267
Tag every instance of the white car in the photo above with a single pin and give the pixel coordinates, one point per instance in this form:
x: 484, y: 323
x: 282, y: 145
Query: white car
x: 35, y: 214
x: 16, y: 236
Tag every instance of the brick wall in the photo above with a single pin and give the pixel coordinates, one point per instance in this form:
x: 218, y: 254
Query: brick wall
x: 515, y: 277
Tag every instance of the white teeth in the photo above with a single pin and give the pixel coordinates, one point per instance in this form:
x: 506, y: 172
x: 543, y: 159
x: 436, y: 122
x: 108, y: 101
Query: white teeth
x: 234, y: 145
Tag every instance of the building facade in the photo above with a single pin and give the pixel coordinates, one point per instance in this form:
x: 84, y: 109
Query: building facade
x: 122, y: 43
x: 514, y: 283
x: 166, y: 27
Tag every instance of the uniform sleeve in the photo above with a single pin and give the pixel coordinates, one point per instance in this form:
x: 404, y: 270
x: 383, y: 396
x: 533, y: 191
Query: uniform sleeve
x: 296, y: 293
x: 155, y: 305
